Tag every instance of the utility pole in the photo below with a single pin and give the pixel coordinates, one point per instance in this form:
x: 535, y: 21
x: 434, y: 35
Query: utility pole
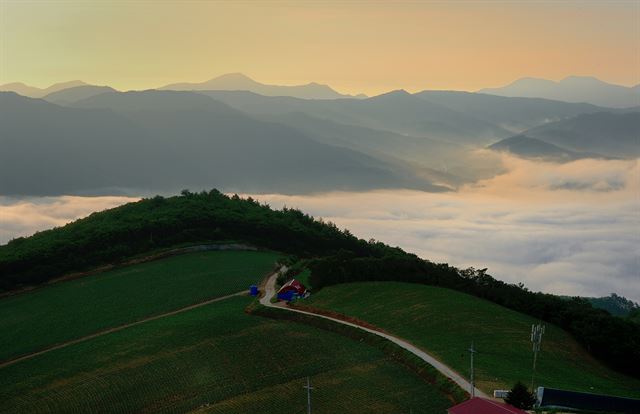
x: 536, y: 339
x: 473, y: 387
x: 309, y: 388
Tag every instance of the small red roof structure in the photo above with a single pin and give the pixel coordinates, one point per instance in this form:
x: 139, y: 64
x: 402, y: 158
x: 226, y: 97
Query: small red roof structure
x: 293, y: 285
x: 478, y: 405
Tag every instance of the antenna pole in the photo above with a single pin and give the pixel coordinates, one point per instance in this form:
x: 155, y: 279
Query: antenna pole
x: 536, y: 338
x: 309, y: 388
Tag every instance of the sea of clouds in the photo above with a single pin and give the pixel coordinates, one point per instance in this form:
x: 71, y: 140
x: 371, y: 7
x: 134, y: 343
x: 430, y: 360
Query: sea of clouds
x: 570, y: 228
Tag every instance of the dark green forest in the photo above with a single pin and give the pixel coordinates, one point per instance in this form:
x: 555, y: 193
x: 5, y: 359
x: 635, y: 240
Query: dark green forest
x: 336, y: 256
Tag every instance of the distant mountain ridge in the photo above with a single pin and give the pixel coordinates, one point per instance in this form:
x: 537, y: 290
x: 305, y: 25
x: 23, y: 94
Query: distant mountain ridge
x: 527, y: 147
x: 572, y: 89
x: 241, y: 82
x: 595, y: 135
x: 167, y: 140
x: 426, y: 140
x: 396, y: 111
x: 69, y: 96
x: 614, y: 135
x: 34, y: 92
x: 513, y: 113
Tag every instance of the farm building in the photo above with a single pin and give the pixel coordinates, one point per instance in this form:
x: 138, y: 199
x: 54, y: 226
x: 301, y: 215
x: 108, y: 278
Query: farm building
x: 478, y: 405
x: 291, y: 290
x: 562, y: 399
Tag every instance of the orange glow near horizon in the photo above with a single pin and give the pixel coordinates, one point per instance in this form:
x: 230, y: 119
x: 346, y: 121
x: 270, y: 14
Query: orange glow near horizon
x: 354, y: 46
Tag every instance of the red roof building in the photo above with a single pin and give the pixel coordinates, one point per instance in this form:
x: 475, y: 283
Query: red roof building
x: 291, y: 289
x: 478, y: 405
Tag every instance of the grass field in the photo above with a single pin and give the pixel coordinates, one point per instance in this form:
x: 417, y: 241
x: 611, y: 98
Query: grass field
x: 215, y: 359
x: 68, y: 310
x: 303, y: 278
x: 444, y: 322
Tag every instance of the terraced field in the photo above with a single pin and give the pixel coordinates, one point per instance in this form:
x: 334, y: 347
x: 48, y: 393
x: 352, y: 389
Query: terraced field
x: 64, y: 311
x: 444, y: 322
x: 215, y: 359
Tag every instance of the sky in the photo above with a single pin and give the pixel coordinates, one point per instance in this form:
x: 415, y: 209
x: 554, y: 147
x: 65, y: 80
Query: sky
x: 561, y: 228
x: 356, y: 47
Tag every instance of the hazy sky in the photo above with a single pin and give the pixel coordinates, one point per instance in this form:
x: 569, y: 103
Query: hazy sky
x: 368, y: 47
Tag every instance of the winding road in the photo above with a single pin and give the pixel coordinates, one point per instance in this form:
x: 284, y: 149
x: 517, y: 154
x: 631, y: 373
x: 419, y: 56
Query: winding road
x: 270, y: 290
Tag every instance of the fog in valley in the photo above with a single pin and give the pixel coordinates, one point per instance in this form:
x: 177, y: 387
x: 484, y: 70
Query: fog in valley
x: 562, y: 228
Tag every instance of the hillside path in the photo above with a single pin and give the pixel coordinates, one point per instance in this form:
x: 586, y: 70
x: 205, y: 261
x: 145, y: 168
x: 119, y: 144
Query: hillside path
x: 118, y: 328
x: 270, y: 290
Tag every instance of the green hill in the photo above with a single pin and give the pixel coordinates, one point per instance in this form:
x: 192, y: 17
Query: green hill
x: 216, y: 359
x: 159, y: 223
x: 334, y: 256
x: 445, y: 322
x: 93, y: 303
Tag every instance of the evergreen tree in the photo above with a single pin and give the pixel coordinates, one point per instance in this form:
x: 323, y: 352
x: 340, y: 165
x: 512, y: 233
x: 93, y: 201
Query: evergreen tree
x: 520, y: 397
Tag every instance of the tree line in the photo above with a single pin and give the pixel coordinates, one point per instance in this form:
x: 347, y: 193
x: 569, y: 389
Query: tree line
x: 614, y: 340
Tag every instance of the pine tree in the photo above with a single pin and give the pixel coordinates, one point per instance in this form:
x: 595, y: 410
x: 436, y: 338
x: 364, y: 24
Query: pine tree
x: 520, y: 397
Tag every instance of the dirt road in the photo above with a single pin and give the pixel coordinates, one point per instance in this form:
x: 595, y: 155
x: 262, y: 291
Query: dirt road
x: 270, y: 290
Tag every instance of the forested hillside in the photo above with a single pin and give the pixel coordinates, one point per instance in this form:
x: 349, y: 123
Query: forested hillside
x: 159, y: 222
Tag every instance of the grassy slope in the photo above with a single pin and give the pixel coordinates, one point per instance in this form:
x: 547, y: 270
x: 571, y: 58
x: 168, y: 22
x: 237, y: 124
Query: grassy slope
x: 216, y: 356
x: 444, y: 322
x: 72, y: 309
x: 303, y: 278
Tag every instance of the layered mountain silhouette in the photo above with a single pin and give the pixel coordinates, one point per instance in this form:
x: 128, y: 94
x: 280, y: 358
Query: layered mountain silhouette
x: 162, y: 141
x: 597, y: 135
x: 397, y: 111
x: 515, y: 114
x: 33, y: 92
x: 527, y: 147
x: 85, y: 139
x: 420, y: 153
x: 71, y: 95
x: 240, y: 82
x: 572, y: 89
x: 605, y: 133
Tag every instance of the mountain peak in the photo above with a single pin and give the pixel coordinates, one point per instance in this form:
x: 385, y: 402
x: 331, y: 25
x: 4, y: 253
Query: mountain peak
x: 234, y: 76
x: 571, y: 89
x: 394, y: 93
x: 65, y: 85
x: 398, y: 95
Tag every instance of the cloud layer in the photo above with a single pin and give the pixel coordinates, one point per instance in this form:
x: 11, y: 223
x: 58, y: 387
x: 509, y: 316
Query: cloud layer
x: 23, y: 217
x: 569, y: 228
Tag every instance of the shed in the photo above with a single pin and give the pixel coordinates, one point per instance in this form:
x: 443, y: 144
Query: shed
x: 478, y: 405
x: 291, y: 290
x: 563, y: 399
